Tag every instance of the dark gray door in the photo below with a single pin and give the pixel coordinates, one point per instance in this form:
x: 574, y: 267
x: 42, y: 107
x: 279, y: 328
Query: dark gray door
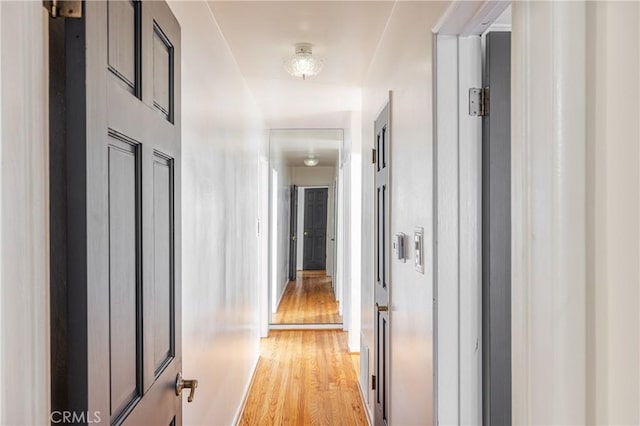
x: 293, y: 229
x: 120, y: 87
x: 496, y: 232
x: 315, y: 229
x: 382, y: 272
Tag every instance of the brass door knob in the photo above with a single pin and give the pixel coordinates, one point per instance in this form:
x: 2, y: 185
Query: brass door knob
x: 306, y: 233
x: 186, y: 384
x: 381, y: 308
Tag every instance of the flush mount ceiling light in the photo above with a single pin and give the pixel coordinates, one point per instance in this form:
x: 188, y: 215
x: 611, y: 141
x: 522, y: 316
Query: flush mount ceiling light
x: 303, y: 63
x: 311, y: 161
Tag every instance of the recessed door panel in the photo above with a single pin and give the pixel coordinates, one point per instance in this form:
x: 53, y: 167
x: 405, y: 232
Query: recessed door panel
x: 124, y: 273
x: 124, y: 45
x: 163, y: 260
x: 162, y: 72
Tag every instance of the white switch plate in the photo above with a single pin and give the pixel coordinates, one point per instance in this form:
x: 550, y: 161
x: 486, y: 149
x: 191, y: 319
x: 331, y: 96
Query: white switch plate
x: 418, y: 248
x: 399, y: 247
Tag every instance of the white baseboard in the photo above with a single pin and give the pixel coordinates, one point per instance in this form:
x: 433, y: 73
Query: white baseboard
x: 305, y: 326
x: 243, y: 403
x: 284, y: 290
x: 364, y: 403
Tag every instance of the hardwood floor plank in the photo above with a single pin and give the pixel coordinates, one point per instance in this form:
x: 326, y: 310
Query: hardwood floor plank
x: 308, y: 300
x: 304, y: 377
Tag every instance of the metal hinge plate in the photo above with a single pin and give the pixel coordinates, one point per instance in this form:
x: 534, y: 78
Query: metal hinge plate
x: 373, y: 156
x: 478, y: 102
x: 63, y: 8
x: 373, y: 382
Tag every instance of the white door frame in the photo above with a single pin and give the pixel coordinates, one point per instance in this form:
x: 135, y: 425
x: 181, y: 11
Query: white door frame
x: 457, y: 211
x: 548, y: 210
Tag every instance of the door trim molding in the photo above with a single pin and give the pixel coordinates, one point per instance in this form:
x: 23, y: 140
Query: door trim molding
x: 457, y: 66
x: 548, y: 178
x: 25, y: 395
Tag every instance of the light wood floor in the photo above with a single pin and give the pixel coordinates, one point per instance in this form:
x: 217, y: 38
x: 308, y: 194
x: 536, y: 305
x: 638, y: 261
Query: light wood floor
x: 308, y: 300
x: 304, y: 377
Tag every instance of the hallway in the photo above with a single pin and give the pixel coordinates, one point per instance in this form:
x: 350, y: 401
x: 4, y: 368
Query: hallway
x: 165, y: 169
x: 310, y: 299
x: 304, y: 377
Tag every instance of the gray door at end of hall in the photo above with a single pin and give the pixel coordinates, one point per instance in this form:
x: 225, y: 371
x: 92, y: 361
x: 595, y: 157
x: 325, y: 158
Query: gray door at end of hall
x: 315, y: 229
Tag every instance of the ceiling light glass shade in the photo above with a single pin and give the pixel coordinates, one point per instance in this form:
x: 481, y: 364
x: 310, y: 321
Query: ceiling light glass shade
x: 303, y: 63
x: 311, y: 161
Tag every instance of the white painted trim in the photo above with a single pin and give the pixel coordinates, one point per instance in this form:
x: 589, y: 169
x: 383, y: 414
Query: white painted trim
x: 263, y: 241
x: 2, y: 374
x: 548, y: 213
x: 284, y: 290
x: 458, y: 276
x: 24, y: 262
x: 337, y: 326
x: 464, y: 18
x: 245, y: 393
x: 457, y: 211
x: 446, y: 268
x: 470, y: 234
x: 364, y: 403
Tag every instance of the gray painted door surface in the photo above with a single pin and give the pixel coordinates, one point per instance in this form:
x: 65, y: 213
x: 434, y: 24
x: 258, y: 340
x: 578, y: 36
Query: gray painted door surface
x: 293, y: 229
x: 382, y: 267
x: 315, y: 229
x: 496, y: 232
x: 121, y: 141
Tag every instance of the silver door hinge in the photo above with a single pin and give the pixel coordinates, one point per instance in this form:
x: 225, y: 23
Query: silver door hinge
x: 478, y: 102
x: 63, y: 8
x: 373, y: 156
x: 373, y: 382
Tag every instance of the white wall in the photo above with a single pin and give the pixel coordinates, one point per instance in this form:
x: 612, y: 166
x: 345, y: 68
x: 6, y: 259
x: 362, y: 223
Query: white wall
x: 407, y: 72
x: 281, y: 196
x: 576, y: 210
x: 24, y: 215
x: 313, y: 176
x: 222, y: 143
x: 355, y: 231
x: 613, y: 220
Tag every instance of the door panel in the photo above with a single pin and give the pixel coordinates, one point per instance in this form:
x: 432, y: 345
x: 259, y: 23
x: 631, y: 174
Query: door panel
x: 315, y: 228
x: 122, y: 142
x: 163, y: 261
x: 382, y: 267
x: 496, y: 232
x: 124, y: 274
x: 124, y: 46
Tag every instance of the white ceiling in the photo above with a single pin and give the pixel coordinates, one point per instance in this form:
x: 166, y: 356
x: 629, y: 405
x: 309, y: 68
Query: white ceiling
x: 296, y: 145
x: 345, y: 33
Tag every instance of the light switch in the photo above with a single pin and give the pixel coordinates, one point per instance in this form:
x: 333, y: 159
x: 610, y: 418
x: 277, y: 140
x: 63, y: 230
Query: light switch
x: 399, y: 246
x: 418, y: 247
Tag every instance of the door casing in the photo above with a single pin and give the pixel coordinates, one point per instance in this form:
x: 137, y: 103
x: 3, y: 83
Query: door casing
x: 457, y: 66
